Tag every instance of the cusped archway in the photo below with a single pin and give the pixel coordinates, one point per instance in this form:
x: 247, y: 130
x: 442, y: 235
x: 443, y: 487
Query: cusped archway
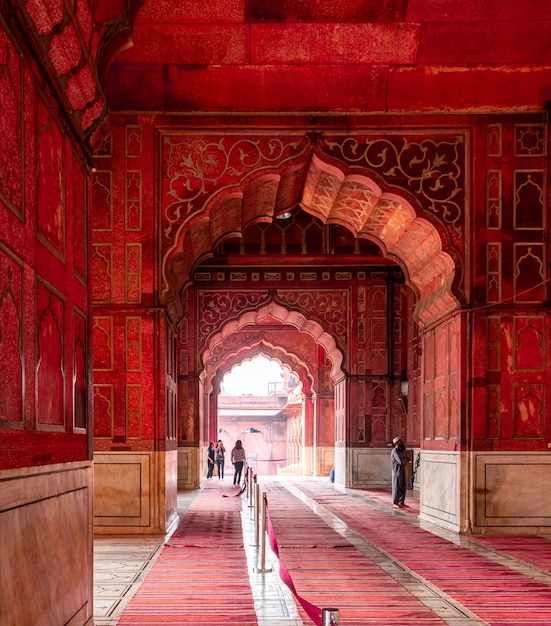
x: 215, y: 351
x: 214, y: 372
x: 354, y: 201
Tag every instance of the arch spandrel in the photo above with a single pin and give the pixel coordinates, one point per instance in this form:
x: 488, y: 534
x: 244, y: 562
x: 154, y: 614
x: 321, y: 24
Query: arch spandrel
x: 354, y: 201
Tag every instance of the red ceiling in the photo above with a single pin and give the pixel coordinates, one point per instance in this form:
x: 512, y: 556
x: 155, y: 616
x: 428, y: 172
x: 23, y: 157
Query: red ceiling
x: 331, y: 55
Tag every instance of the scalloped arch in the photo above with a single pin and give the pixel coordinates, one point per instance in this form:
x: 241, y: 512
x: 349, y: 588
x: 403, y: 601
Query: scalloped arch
x: 353, y: 201
x: 274, y: 311
x: 213, y: 372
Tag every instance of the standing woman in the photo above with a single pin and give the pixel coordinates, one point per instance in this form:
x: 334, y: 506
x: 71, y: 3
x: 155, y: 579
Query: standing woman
x: 219, y: 457
x: 238, y: 457
x: 210, y: 460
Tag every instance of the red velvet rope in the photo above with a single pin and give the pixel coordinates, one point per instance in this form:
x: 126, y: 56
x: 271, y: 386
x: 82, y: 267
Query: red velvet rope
x: 314, y: 613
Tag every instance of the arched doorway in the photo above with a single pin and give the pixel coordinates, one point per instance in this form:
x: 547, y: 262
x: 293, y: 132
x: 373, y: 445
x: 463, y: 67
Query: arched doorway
x: 266, y: 412
x: 306, y: 350
x: 378, y: 281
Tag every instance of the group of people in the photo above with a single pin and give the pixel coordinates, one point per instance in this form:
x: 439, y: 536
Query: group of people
x: 216, y: 456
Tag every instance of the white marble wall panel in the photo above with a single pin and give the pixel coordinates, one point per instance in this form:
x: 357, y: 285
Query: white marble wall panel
x: 134, y: 492
x: 370, y: 468
x: 47, y: 545
x: 512, y: 492
x: 122, y: 490
x: 342, y: 479
x: 171, y: 484
x: 325, y: 460
x: 439, y: 479
x: 189, y: 470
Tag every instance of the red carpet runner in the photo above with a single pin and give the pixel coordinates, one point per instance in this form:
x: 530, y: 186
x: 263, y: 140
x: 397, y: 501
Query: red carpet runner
x: 329, y: 572
x: 496, y: 594
x: 201, y: 575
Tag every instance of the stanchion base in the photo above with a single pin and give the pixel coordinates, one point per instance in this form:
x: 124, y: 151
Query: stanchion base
x: 259, y: 570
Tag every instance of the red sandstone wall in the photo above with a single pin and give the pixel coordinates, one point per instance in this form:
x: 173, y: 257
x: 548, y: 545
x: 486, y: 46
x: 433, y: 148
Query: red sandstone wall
x: 133, y: 346
x: 510, y: 315
x: 44, y: 325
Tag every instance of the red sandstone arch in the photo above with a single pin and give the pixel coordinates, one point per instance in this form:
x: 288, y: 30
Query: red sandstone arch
x: 273, y: 312
x: 213, y: 373
x: 355, y: 202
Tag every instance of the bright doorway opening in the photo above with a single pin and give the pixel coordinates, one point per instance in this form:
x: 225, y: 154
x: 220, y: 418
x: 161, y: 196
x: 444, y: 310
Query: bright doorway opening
x: 261, y: 404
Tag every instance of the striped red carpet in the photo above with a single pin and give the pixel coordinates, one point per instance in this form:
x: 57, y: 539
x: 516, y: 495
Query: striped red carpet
x: 329, y: 572
x: 201, y: 575
x: 496, y: 594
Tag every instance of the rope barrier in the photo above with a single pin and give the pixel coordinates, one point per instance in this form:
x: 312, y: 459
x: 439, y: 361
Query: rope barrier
x: 320, y: 617
x: 313, y: 612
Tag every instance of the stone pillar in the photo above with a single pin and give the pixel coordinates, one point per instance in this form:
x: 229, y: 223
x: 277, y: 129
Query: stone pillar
x: 324, y: 434
x: 308, y: 466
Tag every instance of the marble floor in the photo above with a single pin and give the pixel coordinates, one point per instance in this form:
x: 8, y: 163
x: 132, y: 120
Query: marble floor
x: 121, y: 564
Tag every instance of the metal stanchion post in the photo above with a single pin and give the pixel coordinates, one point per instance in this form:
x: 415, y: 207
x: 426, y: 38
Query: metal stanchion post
x: 263, y: 568
x: 256, y: 513
x: 330, y: 617
x: 250, y: 489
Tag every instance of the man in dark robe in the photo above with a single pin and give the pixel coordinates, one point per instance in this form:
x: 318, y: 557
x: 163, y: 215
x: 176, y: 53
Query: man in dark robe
x: 400, y: 462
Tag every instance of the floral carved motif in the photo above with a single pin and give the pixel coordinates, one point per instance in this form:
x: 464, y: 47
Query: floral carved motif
x: 329, y: 307
x: 433, y: 170
x: 195, y: 167
x: 218, y: 308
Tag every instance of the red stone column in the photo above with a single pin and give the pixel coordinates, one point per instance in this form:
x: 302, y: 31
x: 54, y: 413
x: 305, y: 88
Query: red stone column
x: 308, y: 438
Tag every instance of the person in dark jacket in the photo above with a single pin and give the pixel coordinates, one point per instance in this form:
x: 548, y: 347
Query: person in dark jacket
x: 399, y: 460
x: 238, y: 458
x: 210, y: 460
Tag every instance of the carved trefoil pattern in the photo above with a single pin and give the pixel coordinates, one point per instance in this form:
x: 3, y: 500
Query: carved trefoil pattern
x: 50, y: 362
x: 493, y: 272
x: 133, y: 273
x: 494, y: 142
x: 529, y: 267
x: 529, y: 205
x: 494, y: 199
x: 133, y: 200
x: 80, y: 375
x: 529, y: 336
x: 133, y: 141
x: 529, y: 402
